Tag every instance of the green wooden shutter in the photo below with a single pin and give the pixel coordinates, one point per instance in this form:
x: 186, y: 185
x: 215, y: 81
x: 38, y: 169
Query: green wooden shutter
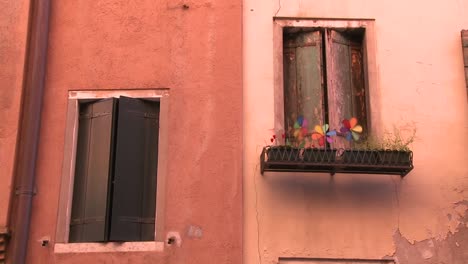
x: 303, y: 81
x: 464, y: 35
x: 134, y: 192
x: 345, y: 79
x: 93, y: 168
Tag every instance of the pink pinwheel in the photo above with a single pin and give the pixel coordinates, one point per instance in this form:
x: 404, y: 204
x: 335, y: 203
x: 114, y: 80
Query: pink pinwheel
x: 351, y: 130
x: 320, y: 134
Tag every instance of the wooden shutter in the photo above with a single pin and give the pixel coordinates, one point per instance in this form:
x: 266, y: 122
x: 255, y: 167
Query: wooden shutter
x: 303, y: 81
x: 345, y: 79
x: 92, y: 172
x: 464, y: 35
x: 134, y: 195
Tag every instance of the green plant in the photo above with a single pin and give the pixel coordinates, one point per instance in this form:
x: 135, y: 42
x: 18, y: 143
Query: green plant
x: 399, y: 140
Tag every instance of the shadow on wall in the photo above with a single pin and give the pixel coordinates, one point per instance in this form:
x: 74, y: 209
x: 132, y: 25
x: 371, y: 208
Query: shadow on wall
x: 343, y: 190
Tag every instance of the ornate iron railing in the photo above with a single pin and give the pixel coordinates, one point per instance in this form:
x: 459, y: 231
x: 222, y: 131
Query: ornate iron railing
x: 290, y: 159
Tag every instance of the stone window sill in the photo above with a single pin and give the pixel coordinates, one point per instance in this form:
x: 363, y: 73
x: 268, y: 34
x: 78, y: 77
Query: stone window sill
x: 109, y: 247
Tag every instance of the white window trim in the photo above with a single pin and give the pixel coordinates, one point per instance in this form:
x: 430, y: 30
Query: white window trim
x: 68, y: 172
x: 370, y: 69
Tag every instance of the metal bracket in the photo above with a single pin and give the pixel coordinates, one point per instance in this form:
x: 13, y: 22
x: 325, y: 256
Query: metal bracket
x: 20, y: 191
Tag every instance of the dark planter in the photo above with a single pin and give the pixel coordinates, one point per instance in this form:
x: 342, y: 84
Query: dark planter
x: 283, y: 153
x: 395, y: 157
x: 314, y: 155
x: 360, y: 157
x: 290, y: 159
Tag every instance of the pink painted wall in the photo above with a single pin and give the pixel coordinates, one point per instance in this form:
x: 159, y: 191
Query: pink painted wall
x: 13, y: 27
x: 196, y: 53
x: 419, y: 80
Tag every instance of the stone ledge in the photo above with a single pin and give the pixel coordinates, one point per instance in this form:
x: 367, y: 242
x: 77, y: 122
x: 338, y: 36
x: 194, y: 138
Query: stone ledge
x: 109, y: 247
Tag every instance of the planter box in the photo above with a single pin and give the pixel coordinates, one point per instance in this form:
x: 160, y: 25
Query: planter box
x: 319, y: 156
x: 395, y: 157
x: 289, y: 159
x: 364, y: 157
x: 282, y: 153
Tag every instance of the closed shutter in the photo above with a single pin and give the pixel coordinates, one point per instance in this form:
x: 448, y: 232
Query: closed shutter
x: 303, y: 82
x: 134, y: 190
x: 345, y: 79
x: 92, y: 172
x: 464, y: 35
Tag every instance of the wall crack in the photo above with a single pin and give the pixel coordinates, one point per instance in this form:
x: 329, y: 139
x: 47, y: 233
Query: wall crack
x: 397, y: 197
x: 279, y: 8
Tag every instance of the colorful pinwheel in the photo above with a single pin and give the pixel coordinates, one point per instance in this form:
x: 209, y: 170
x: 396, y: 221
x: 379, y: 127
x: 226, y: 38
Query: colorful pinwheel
x: 300, y: 130
x: 320, y: 134
x: 351, y: 130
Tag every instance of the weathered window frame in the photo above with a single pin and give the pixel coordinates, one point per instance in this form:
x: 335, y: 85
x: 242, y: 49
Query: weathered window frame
x: 464, y: 39
x: 68, y: 170
x: 370, y: 73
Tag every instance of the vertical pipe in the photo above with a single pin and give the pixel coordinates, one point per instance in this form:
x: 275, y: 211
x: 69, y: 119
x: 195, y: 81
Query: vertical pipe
x: 28, y: 135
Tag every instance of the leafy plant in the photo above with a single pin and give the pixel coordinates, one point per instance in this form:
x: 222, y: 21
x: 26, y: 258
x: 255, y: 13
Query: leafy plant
x: 395, y: 140
x: 398, y: 141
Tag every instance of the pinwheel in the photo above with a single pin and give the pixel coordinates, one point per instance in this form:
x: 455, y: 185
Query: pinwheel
x: 300, y: 130
x: 351, y: 130
x: 320, y: 134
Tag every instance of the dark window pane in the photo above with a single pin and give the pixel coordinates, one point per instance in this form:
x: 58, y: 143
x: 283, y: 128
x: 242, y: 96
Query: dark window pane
x: 134, y: 190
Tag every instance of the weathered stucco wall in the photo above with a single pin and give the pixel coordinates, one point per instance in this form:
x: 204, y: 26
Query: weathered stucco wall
x: 191, y: 47
x: 420, y: 80
x: 13, y: 27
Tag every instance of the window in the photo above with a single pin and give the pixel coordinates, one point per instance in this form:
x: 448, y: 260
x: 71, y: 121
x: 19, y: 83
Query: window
x: 464, y: 35
x: 115, y: 173
x: 113, y: 168
x: 324, y: 74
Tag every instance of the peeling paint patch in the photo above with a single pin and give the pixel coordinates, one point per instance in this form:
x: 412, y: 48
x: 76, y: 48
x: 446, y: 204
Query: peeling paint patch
x: 427, y: 254
x: 461, y: 207
x: 195, y: 232
x: 449, y: 250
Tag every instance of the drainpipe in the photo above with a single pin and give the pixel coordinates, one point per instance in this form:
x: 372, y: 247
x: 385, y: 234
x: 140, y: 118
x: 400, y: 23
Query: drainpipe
x: 29, y: 125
